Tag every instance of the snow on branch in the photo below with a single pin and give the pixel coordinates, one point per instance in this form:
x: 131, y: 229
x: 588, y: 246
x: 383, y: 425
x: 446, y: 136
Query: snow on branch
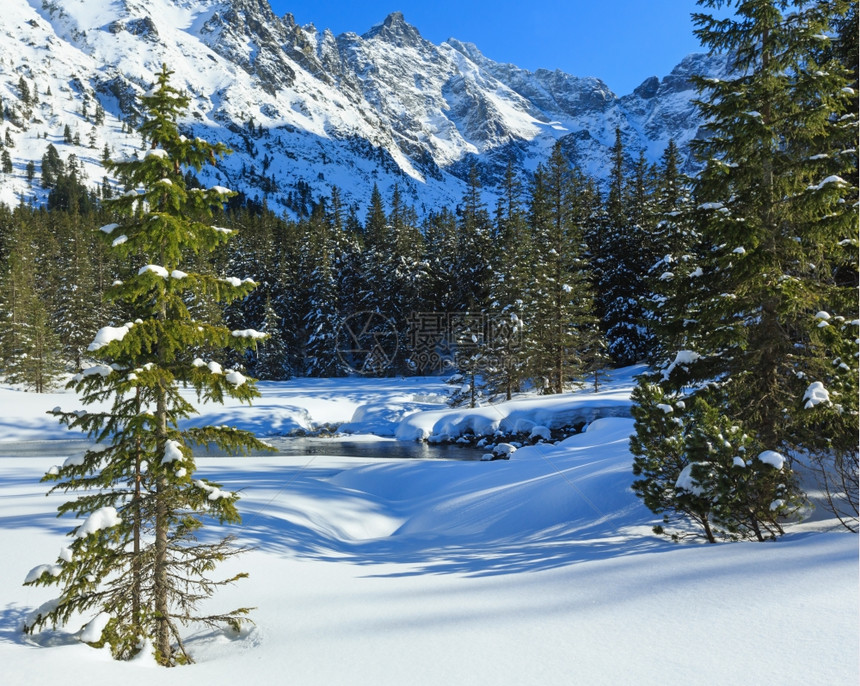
x: 214, y: 492
x: 816, y: 394
x: 172, y: 452
x: 103, y: 518
x: 155, y: 269
x: 837, y: 180
x: 249, y: 333
x: 773, y: 458
x: 108, y: 334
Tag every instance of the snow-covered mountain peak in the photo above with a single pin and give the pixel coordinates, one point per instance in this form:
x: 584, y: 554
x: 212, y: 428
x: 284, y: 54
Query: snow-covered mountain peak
x: 395, y: 30
x: 306, y: 110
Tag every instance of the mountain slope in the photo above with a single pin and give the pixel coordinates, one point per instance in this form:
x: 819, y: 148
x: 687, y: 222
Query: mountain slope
x: 303, y: 109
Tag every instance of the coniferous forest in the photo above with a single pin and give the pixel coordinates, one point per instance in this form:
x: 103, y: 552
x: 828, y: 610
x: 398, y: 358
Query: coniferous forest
x: 526, y: 264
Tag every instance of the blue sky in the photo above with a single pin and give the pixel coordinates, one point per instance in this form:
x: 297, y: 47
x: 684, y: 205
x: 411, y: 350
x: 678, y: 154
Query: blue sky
x: 620, y: 41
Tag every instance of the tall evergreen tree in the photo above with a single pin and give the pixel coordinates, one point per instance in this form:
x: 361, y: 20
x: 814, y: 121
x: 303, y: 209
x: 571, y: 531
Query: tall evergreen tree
x: 77, y: 307
x: 272, y: 360
x: 52, y: 166
x: 135, y: 563
x: 507, y: 362
x: 775, y: 205
x: 393, y: 274
x: 322, y: 320
x: 442, y: 292
x: 346, y: 258
x: 474, y: 255
x: 673, y: 277
x: 561, y: 326
x: 30, y: 351
x: 620, y: 251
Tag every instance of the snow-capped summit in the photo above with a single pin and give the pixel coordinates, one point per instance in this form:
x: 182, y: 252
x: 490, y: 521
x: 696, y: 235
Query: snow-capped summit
x: 305, y: 110
x: 396, y: 31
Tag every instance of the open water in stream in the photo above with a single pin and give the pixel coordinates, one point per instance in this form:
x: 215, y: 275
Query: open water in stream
x: 366, y: 447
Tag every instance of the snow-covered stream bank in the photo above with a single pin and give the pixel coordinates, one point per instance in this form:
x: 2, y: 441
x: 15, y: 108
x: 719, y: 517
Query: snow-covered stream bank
x: 538, y: 570
x: 409, y: 409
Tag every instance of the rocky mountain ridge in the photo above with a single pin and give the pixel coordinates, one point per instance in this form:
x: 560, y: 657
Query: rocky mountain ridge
x: 304, y: 109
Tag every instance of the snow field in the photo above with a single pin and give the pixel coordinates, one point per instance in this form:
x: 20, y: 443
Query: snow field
x: 538, y: 570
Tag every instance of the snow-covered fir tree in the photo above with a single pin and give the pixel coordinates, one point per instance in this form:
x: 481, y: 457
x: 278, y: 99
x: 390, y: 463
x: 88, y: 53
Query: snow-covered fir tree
x: 507, y: 363
x: 472, y: 267
x: 322, y: 319
x: 772, y: 332
x: 674, y: 275
x: 271, y: 360
x: 442, y: 292
x: 619, y: 248
x: 561, y: 327
x: 134, y: 569
x: 393, y: 274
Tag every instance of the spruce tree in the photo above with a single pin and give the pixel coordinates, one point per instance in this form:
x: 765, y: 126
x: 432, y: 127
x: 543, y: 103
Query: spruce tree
x: 660, y: 450
x: 472, y: 267
x: 134, y: 564
x: 76, y: 303
x: 619, y: 244
x: 561, y: 327
x: 346, y: 258
x: 272, y: 359
x: 30, y: 351
x: 442, y: 248
x: 512, y: 266
x: 769, y: 348
x: 52, y: 166
x: 673, y: 277
x: 393, y: 275
x: 777, y: 209
x: 322, y: 320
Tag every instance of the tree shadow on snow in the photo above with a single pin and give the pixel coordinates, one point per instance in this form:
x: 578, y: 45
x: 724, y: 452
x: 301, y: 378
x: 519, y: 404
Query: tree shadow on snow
x: 297, y: 516
x: 12, y: 619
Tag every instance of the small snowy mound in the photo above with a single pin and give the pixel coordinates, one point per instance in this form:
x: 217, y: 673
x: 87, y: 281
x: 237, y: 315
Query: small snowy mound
x: 540, y: 431
x: 504, y: 450
x: 92, y: 632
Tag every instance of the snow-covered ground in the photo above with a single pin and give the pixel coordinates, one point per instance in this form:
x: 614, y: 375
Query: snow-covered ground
x: 537, y: 570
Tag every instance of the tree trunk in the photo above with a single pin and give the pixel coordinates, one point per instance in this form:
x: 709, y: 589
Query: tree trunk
x: 136, y: 581
x: 162, y: 632
x: 162, y: 526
